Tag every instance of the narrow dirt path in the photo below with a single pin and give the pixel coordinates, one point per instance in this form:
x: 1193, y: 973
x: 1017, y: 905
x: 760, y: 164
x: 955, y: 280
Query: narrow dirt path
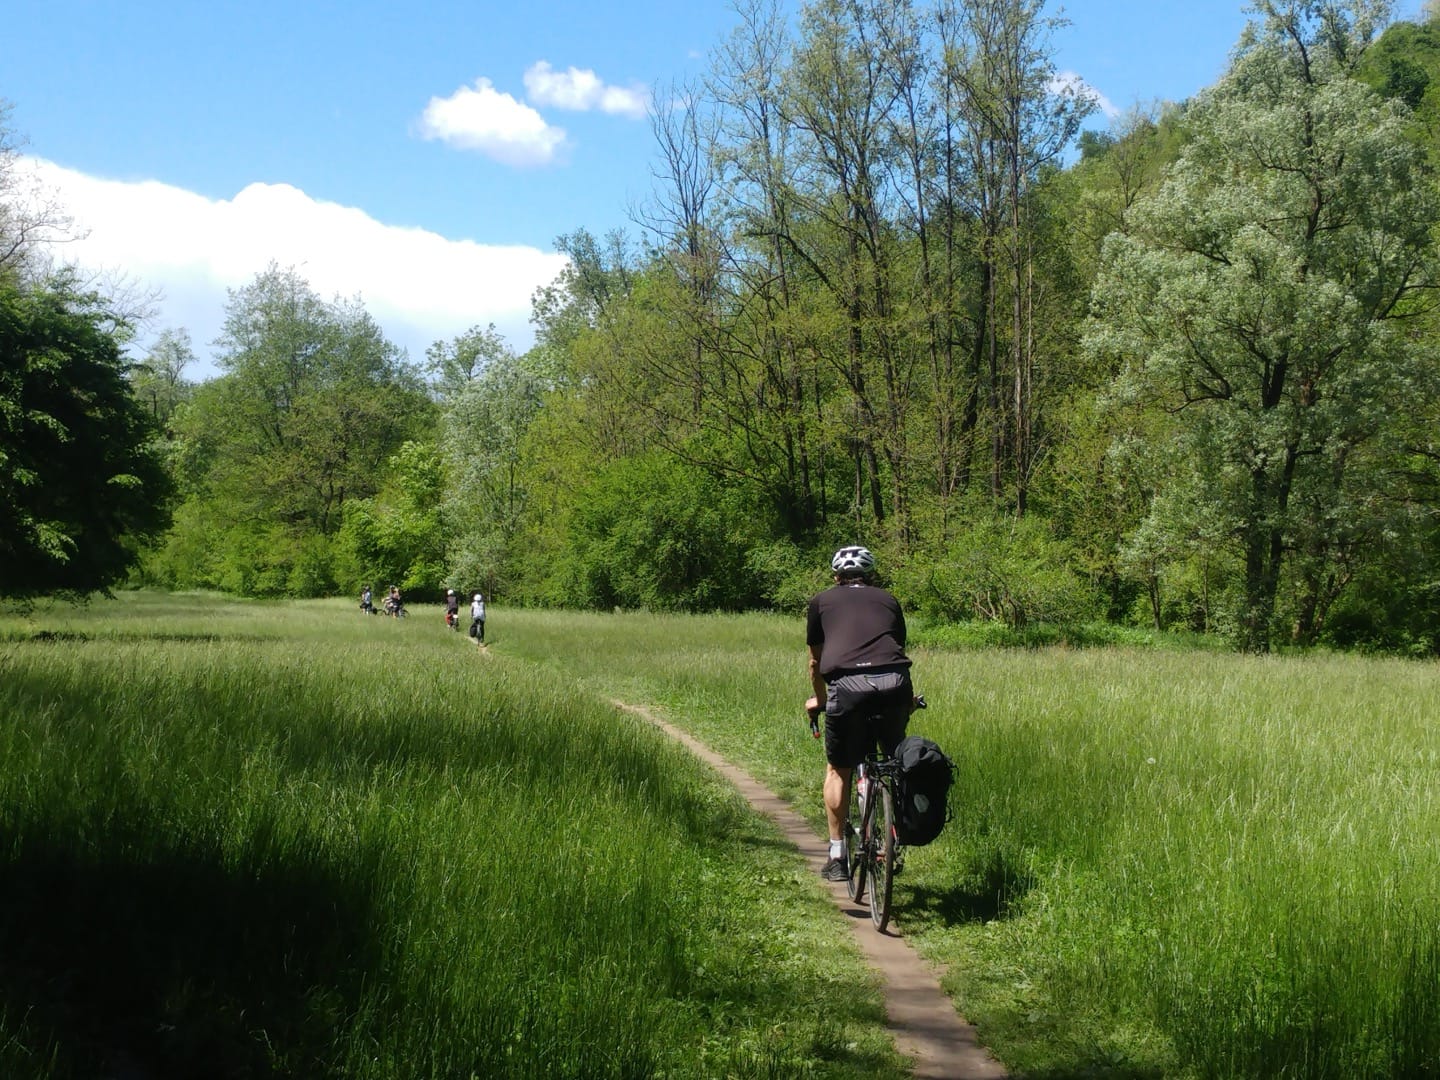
x: 925, y: 1024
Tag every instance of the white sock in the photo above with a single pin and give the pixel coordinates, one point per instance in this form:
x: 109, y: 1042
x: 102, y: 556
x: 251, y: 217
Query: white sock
x: 837, y: 849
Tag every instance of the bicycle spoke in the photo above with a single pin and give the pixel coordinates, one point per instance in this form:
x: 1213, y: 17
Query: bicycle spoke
x: 882, y: 852
x: 855, y: 885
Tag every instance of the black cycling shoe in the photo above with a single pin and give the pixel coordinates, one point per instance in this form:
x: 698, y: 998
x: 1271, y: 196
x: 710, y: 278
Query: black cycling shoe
x: 835, y: 870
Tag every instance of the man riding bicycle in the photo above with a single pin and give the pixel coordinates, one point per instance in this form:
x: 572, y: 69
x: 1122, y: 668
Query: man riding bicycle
x: 861, y: 678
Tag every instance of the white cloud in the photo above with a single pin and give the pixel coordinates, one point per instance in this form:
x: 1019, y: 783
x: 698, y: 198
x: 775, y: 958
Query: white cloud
x: 1068, y: 82
x: 582, y: 91
x: 482, y: 118
x: 418, y: 285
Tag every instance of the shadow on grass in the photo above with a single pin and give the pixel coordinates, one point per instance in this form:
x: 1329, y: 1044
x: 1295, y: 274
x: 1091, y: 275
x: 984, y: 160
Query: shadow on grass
x: 147, y: 958
x: 1099, y: 1070
x: 992, y: 892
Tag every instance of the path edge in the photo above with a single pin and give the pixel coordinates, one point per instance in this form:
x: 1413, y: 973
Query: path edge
x: 921, y: 1017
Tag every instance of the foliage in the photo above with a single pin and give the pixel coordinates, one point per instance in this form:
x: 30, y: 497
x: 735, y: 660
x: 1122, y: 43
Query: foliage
x: 81, y: 482
x: 453, y: 364
x: 788, y: 575
x: 1185, y: 381
x: 1008, y: 571
x: 1069, y: 635
x: 312, y: 405
x: 1390, y: 606
x: 396, y: 537
x: 1263, y: 298
x: 1404, y: 64
x: 159, y: 380
x: 484, y: 424
x: 641, y: 539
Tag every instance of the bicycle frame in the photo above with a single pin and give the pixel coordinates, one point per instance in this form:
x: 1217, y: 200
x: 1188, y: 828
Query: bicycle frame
x: 875, y: 852
x: 875, y: 849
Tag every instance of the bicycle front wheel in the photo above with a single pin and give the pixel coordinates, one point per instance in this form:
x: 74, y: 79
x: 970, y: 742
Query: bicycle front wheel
x: 882, y: 848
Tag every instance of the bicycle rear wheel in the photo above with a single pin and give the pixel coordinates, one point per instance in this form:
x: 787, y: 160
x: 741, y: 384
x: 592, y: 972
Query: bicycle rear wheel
x: 882, y: 852
x: 856, y: 825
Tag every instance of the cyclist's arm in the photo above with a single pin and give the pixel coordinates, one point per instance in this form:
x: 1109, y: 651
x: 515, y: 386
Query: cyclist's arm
x: 817, y: 684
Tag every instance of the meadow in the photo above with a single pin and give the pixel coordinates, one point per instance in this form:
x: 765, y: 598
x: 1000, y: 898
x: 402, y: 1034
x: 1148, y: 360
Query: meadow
x: 299, y: 842
x: 1161, y: 863
x: 243, y: 840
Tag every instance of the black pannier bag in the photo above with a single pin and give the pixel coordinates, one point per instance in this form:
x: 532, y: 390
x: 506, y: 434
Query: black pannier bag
x: 922, y: 791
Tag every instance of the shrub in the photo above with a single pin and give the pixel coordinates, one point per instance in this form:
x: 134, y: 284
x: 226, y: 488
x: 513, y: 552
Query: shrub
x: 787, y: 574
x: 1008, y: 571
x: 640, y: 537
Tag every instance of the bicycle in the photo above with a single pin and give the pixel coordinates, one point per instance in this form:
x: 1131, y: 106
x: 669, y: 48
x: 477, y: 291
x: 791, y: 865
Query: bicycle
x: 871, y: 825
x: 875, y: 853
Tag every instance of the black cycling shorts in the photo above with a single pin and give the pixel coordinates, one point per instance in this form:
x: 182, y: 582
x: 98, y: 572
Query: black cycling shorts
x: 862, y: 710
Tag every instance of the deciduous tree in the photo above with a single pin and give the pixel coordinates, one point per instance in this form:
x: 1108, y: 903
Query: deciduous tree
x: 81, y: 485
x: 1261, y: 298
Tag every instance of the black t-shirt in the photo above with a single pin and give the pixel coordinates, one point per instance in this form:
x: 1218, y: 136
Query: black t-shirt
x: 858, y: 627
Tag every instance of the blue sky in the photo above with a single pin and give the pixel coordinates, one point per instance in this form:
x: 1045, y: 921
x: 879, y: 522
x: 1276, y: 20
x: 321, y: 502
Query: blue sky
x: 421, y: 155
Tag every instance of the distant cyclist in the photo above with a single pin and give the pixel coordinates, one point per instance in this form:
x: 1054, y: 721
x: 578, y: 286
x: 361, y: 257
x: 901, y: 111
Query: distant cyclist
x: 477, y: 618
x: 858, y: 670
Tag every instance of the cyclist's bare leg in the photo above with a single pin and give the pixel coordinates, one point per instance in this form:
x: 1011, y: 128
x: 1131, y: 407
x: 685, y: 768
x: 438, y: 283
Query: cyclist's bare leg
x: 837, y: 799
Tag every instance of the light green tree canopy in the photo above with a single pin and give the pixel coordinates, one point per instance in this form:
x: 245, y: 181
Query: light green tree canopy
x: 1263, y: 295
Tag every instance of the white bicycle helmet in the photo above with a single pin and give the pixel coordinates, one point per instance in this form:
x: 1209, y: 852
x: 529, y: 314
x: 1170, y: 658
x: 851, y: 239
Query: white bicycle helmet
x: 852, y: 560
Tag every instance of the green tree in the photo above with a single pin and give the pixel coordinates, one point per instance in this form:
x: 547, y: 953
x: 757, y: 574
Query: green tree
x: 81, y: 484
x: 1015, y: 120
x: 453, y: 364
x: 1405, y: 64
x: 1260, y: 298
x: 485, y: 425
x: 320, y: 399
x: 159, y: 380
x: 642, y: 540
x: 311, y: 406
x: 396, y: 538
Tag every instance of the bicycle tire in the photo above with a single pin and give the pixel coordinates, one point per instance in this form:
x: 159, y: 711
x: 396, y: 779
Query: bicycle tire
x: 855, y: 884
x: 881, y: 849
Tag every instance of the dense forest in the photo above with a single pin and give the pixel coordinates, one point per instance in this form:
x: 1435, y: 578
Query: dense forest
x: 899, y: 284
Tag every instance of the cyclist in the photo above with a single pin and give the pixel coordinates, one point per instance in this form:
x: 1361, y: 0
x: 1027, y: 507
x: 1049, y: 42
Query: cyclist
x: 858, y: 670
x: 452, y: 607
x: 477, y: 618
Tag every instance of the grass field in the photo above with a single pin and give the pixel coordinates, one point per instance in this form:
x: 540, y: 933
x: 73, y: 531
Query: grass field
x: 1175, y: 864
x: 301, y: 842
x: 285, y: 840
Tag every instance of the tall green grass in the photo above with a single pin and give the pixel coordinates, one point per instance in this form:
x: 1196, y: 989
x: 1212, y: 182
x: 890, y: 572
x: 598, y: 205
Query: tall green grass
x: 287, y: 840
x: 1161, y: 863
